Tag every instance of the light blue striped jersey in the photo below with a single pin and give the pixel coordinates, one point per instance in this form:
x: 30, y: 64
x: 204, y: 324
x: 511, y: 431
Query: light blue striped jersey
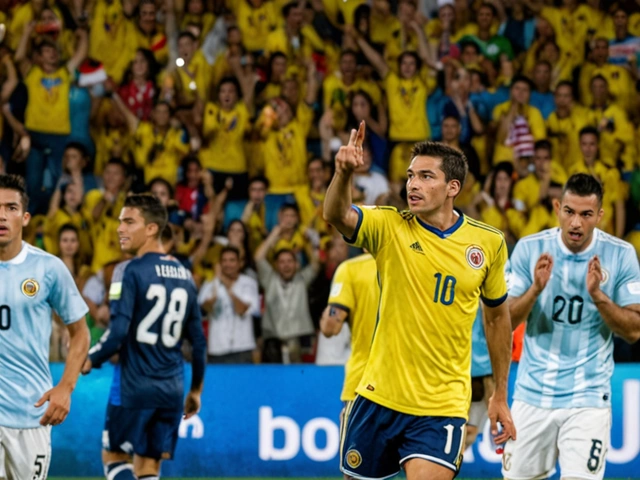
x: 480, y: 361
x: 567, y: 361
x: 32, y: 285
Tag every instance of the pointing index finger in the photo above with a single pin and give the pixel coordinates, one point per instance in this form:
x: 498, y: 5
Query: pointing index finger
x: 360, y: 134
x: 352, y: 138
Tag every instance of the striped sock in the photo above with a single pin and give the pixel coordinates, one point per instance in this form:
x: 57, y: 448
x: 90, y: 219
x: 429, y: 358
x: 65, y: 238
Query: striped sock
x: 119, y: 471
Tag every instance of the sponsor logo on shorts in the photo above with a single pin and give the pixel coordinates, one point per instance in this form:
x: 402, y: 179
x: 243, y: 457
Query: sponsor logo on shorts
x: 475, y: 257
x: 506, y: 462
x: 30, y: 287
x: 354, y: 459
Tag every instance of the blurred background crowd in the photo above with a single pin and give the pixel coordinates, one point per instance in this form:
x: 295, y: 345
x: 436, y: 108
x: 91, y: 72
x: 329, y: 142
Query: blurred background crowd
x: 230, y: 111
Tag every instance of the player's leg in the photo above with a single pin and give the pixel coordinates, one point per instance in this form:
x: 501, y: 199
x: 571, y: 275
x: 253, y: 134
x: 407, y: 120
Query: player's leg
x: 583, y: 442
x: 161, y: 432
x: 123, y: 432
x: 27, y: 453
x: 432, y: 447
x: 534, y: 454
x: 369, y: 449
x: 481, y: 390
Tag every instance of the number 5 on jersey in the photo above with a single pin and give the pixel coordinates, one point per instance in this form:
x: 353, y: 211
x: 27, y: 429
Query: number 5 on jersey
x: 171, y: 329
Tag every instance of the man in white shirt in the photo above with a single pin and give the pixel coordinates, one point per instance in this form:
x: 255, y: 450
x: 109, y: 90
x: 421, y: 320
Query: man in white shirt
x: 230, y: 300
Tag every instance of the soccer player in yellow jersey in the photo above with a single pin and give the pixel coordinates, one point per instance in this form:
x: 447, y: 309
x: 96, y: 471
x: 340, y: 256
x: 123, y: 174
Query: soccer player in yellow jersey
x: 434, y: 264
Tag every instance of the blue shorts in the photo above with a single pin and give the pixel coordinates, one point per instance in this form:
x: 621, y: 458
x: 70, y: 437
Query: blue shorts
x: 147, y: 432
x: 376, y: 441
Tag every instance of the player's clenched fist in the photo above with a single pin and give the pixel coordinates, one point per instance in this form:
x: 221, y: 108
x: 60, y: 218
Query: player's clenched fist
x: 351, y: 156
x: 542, y: 272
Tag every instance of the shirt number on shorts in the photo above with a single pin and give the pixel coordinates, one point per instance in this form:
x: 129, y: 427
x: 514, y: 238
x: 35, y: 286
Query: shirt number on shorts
x: 450, y: 429
x: 445, y: 290
x: 595, y: 455
x: 5, y: 317
x: 172, y: 320
x: 39, y: 464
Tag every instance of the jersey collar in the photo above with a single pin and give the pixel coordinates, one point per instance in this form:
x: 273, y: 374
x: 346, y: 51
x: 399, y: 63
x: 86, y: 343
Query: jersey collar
x: 449, y: 231
x: 568, y: 252
x: 20, y: 258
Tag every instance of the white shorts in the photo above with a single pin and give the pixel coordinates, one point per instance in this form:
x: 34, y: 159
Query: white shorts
x: 578, y: 437
x: 27, y: 452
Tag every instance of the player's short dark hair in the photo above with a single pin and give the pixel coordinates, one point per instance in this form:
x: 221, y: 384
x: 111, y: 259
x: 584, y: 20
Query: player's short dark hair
x: 453, y: 162
x: 584, y: 185
x: 543, y: 144
x: 589, y: 131
x: 150, y: 208
x: 230, y: 248
x: 15, y: 183
x: 167, y: 234
x: 284, y: 251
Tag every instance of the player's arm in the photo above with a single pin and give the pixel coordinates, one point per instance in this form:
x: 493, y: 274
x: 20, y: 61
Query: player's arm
x: 623, y: 321
x: 497, y: 326
x: 332, y: 320
x: 121, y: 315
x: 195, y: 335
x: 520, y: 307
x: 337, y: 203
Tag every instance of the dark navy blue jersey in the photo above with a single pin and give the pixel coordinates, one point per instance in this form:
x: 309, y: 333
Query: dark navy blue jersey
x: 153, y: 302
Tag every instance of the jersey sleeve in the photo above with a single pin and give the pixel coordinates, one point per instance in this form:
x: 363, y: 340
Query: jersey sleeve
x: 195, y: 334
x: 627, y: 286
x: 122, y: 307
x: 518, y: 275
x: 65, y: 297
x: 494, y: 288
x: 341, y: 294
x: 375, y: 225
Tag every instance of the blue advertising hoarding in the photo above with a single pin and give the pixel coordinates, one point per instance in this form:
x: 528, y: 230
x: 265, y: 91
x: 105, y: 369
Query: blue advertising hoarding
x: 282, y: 421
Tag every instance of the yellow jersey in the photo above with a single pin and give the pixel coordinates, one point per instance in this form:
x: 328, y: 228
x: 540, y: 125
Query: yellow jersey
x: 223, y: 136
x: 255, y: 23
x: 564, y: 135
x: 107, y: 38
x: 191, y: 81
x: 355, y: 290
x: 527, y: 189
x: 407, y: 99
x: 48, y: 107
x: 616, y: 143
x: 104, y: 230
x: 430, y: 284
x: 159, y: 155
x: 285, y: 153
x: 621, y: 86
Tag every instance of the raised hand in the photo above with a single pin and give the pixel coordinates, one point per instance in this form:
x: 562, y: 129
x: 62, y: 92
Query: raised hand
x: 542, y: 272
x: 594, y: 275
x: 351, y: 156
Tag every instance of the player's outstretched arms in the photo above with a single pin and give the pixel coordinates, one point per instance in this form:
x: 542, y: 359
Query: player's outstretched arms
x: 623, y: 321
x: 498, y: 333
x: 332, y: 320
x: 59, y: 397
x: 337, y: 203
x: 520, y: 307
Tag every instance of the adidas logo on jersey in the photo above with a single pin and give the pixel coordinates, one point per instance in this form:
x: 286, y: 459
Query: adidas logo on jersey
x: 416, y: 248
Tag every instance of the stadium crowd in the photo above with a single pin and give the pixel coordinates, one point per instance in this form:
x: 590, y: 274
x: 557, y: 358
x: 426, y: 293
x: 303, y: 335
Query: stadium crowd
x: 230, y: 112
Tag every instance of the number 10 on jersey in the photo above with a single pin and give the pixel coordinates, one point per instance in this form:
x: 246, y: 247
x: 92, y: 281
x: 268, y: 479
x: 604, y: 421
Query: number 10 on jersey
x: 445, y: 289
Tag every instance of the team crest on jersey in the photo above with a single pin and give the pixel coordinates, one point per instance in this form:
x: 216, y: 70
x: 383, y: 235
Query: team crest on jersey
x: 605, y: 276
x: 475, y: 257
x: 354, y: 459
x: 30, y: 287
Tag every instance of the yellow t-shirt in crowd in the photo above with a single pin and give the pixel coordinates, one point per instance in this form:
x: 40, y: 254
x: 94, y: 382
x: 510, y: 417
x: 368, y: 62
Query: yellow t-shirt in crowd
x: 355, y: 290
x: 108, y: 37
x: 533, y: 116
x: 159, y: 155
x: 104, y: 234
x: 223, y: 137
x: 109, y: 142
x: 430, y: 284
x: 48, y: 107
x: 407, y: 115
x: 621, y: 86
x: 52, y: 229
x: 191, y: 80
x: 617, y: 144
x: 563, y: 133
x: 527, y: 190
x: 285, y: 153
x: 255, y: 23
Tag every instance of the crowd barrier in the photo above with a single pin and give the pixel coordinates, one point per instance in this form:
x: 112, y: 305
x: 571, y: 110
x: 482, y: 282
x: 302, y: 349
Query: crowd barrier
x: 282, y: 421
